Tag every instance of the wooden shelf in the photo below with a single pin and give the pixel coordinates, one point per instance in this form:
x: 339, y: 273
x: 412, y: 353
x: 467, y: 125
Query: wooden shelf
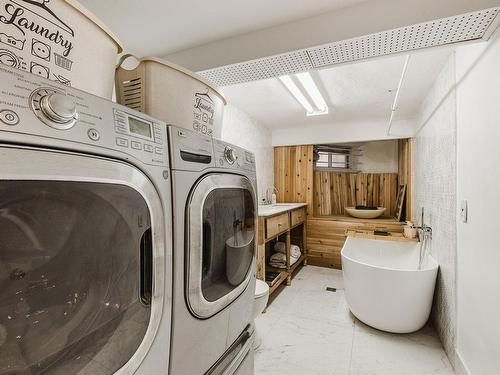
x: 284, y: 274
x: 294, y: 266
x: 282, y: 277
x: 274, y: 269
x: 290, y: 221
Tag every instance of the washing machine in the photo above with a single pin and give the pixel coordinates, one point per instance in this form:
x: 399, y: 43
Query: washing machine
x: 85, y: 228
x: 215, y: 216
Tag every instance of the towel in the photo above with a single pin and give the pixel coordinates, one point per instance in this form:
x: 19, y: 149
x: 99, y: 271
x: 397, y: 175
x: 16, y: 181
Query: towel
x: 278, y: 260
x: 280, y: 247
x: 295, y: 252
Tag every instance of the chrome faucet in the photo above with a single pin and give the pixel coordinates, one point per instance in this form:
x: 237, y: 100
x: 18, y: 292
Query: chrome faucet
x: 424, y: 231
x: 424, y: 234
x: 269, y: 194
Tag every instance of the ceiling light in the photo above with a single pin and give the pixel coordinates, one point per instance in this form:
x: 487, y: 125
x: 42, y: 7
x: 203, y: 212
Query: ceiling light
x: 294, y: 90
x: 304, y: 90
x: 312, y: 90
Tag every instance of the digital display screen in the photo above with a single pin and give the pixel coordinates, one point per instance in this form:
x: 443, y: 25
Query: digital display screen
x: 139, y: 127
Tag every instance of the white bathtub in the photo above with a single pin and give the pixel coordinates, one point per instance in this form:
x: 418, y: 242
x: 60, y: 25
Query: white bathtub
x: 383, y: 285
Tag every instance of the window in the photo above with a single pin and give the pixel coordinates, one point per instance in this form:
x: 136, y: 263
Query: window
x: 333, y: 157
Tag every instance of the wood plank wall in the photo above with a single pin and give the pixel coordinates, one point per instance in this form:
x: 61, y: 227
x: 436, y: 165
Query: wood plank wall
x: 405, y: 173
x: 325, y: 238
x: 294, y: 179
x: 293, y: 174
x: 335, y: 190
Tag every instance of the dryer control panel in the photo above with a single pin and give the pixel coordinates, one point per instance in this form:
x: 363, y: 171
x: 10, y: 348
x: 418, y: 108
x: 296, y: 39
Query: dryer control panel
x: 192, y: 151
x: 233, y: 157
x: 37, y: 111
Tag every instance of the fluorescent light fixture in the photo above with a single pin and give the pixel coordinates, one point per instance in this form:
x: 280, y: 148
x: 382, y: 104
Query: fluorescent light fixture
x: 312, y: 90
x: 294, y: 90
x: 320, y: 107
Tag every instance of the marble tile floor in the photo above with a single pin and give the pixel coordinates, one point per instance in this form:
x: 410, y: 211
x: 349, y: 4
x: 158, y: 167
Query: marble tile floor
x: 307, y: 330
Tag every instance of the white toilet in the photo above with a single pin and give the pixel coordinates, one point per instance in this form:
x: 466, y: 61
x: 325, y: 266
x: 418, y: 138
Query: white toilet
x: 259, y: 305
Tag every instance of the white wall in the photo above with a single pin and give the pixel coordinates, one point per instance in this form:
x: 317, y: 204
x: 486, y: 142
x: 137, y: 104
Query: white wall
x: 456, y: 157
x: 478, y: 122
x: 242, y: 130
x: 343, y: 132
x: 434, y: 188
x: 379, y: 157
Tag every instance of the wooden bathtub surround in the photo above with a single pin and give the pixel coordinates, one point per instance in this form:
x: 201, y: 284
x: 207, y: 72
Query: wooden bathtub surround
x: 326, y: 236
x: 367, y: 232
x: 287, y: 223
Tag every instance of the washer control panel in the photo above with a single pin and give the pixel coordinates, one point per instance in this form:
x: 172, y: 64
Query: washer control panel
x: 34, y: 106
x: 138, y: 133
x: 54, y: 108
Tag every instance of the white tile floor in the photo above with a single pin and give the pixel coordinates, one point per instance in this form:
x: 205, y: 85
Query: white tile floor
x: 307, y: 330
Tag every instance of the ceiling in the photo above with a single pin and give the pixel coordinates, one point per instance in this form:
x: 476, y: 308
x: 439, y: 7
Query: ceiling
x: 177, y: 25
x: 362, y: 91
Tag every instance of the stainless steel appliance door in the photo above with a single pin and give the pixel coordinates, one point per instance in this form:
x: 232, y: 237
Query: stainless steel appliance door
x: 81, y: 264
x: 221, y: 244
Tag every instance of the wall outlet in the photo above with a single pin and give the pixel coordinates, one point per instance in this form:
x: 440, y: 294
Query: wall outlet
x: 463, y: 211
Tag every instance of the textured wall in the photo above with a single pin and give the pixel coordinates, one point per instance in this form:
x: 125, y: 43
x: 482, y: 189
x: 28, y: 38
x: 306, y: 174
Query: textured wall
x: 379, y: 157
x: 242, y: 130
x: 434, y: 179
x: 478, y: 181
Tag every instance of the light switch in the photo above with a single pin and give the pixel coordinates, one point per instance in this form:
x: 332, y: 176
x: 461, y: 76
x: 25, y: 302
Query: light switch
x: 463, y: 210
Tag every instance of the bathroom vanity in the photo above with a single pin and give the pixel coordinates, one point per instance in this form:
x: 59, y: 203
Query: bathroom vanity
x: 286, y: 222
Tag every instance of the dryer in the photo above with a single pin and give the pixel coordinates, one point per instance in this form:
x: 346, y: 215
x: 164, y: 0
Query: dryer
x: 85, y: 223
x: 215, y: 216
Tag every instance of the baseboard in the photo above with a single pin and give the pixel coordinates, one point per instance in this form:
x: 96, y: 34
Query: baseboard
x: 460, y: 367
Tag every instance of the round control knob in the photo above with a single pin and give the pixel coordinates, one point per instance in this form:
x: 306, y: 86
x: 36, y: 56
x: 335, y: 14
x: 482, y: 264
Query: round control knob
x: 230, y: 155
x: 59, y: 109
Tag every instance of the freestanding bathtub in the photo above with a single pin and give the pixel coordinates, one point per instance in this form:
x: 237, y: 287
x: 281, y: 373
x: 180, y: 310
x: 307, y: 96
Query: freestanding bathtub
x: 384, y: 287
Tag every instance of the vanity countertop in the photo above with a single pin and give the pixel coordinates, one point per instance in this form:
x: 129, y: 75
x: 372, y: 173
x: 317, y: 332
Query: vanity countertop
x: 278, y: 208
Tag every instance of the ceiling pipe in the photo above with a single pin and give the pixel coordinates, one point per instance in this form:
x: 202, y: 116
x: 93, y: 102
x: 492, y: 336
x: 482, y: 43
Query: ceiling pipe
x: 398, y: 91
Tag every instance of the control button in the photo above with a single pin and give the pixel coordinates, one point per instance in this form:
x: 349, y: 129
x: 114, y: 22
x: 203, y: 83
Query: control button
x: 9, y: 117
x: 158, y: 150
x: 136, y: 145
x: 59, y: 109
x: 230, y: 155
x: 122, y: 142
x: 221, y: 161
x: 120, y: 129
x: 148, y: 148
x: 93, y: 134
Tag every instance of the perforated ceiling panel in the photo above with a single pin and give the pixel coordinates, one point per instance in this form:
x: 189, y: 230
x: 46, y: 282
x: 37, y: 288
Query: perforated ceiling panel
x: 465, y: 27
x: 274, y: 66
x: 429, y: 34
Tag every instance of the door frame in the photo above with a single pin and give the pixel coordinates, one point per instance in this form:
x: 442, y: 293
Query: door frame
x: 36, y: 164
x: 199, y: 306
